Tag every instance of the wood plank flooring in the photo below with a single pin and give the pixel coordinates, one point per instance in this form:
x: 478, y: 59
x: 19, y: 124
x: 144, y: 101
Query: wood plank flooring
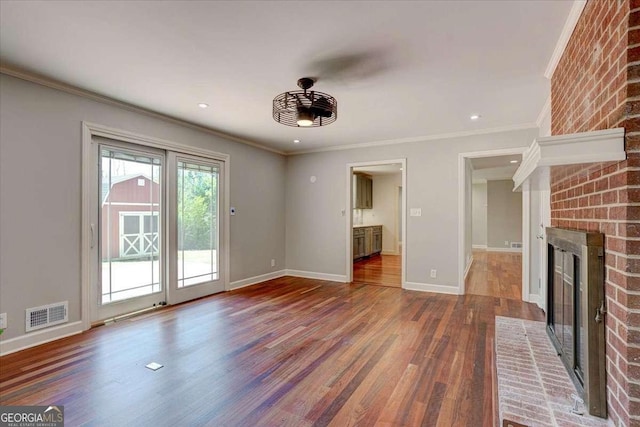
x: 288, y: 352
x: 383, y: 270
x: 495, y: 274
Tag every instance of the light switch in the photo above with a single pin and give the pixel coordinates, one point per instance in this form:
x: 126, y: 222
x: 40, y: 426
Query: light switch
x: 415, y: 212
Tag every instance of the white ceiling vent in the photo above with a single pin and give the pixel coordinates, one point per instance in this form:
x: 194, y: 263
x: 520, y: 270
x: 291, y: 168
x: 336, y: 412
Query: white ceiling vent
x: 46, y: 315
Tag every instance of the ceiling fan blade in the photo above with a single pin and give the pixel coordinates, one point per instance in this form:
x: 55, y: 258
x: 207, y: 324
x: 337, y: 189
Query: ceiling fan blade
x: 351, y: 66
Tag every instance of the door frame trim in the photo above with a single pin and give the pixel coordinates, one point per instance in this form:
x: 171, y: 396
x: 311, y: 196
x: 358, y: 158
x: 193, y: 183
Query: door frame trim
x: 349, y: 214
x: 88, y: 233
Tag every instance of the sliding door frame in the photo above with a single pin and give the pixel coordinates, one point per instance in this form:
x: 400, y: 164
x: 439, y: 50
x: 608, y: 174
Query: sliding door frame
x: 89, y: 230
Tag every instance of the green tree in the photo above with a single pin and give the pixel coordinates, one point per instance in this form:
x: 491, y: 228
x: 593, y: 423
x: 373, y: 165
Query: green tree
x: 197, y: 191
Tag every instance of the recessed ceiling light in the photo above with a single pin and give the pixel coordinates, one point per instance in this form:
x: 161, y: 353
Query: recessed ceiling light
x: 513, y: 161
x: 296, y: 141
x: 474, y: 116
x: 203, y: 105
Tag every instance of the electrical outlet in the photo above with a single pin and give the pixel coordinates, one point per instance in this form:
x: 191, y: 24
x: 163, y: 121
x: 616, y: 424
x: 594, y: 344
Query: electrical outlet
x: 273, y: 263
x: 3, y: 321
x: 506, y: 243
x: 434, y: 273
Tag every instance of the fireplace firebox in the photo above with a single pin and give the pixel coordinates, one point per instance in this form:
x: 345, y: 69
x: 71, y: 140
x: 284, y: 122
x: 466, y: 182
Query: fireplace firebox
x: 576, y: 310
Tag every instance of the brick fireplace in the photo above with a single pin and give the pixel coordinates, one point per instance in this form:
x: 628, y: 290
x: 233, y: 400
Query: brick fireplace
x: 595, y: 86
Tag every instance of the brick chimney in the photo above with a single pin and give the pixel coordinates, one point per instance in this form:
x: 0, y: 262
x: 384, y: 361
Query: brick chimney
x: 595, y: 86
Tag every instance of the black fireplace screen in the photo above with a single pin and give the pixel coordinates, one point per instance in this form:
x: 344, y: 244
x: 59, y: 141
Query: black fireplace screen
x: 575, y: 310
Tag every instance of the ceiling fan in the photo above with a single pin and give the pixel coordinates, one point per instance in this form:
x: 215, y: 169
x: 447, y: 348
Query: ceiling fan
x: 305, y: 108
x: 309, y: 108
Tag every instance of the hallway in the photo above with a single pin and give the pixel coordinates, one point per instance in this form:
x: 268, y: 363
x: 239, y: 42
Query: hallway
x: 495, y: 274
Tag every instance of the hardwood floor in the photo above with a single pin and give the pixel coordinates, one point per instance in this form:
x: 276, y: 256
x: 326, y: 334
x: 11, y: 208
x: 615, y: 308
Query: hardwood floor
x: 384, y: 270
x: 495, y: 274
x: 288, y: 352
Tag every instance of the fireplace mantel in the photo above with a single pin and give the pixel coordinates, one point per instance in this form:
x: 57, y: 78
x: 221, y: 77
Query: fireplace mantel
x: 578, y: 148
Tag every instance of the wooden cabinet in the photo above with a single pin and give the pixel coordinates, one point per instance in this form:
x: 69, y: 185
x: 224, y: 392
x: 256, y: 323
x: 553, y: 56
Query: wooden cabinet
x: 362, y: 191
x: 377, y: 239
x: 367, y: 241
x: 358, y: 243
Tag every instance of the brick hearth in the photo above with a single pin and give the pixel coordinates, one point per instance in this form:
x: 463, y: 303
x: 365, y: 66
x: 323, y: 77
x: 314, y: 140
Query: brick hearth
x: 534, y: 388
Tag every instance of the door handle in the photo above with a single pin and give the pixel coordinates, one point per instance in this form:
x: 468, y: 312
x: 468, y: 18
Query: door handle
x: 600, y: 312
x: 93, y: 233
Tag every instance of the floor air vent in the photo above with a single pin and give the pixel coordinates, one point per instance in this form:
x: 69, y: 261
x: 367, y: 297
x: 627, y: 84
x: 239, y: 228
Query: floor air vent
x: 46, y: 315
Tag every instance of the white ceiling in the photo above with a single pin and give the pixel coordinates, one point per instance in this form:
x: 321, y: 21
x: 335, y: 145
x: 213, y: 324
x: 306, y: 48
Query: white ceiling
x: 494, y: 168
x: 495, y: 162
x: 399, y: 70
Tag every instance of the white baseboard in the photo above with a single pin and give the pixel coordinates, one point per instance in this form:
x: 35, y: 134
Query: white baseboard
x: 479, y: 247
x: 389, y: 253
x: 256, y: 279
x: 427, y: 287
x: 466, y: 270
x: 33, y: 339
x: 504, y: 249
x: 320, y: 276
x: 537, y: 300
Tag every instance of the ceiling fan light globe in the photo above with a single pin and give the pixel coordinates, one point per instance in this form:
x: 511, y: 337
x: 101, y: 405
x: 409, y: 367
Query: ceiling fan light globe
x: 304, y: 122
x: 305, y: 118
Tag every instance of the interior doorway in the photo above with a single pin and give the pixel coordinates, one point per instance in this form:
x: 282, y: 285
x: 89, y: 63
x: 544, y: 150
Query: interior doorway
x: 375, y: 234
x: 493, y: 233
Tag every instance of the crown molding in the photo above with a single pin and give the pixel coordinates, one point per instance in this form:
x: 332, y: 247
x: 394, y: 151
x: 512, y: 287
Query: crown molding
x: 424, y: 138
x: 567, y: 31
x: 546, y: 109
x: 54, y: 84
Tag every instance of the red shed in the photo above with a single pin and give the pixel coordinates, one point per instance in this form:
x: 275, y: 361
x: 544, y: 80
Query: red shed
x: 130, y: 217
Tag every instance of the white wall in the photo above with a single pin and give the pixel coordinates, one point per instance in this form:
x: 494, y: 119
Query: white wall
x: 385, y: 210
x: 540, y: 212
x: 504, y: 214
x: 316, y: 238
x: 479, y: 214
x: 40, y: 193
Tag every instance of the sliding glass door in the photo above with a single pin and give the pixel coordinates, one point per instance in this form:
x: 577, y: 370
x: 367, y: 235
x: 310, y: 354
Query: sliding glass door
x: 156, y: 228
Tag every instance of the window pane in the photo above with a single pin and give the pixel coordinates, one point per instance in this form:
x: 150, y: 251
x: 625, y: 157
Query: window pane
x: 131, y: 224
x: 197, y: 223
x: 151, y: 224
x: 129, y: 217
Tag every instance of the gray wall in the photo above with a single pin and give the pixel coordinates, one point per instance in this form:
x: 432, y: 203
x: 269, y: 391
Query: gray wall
x: 480, y: 214
x: 504, y: 214
x: 40, y: 195
x: 316, y: 235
